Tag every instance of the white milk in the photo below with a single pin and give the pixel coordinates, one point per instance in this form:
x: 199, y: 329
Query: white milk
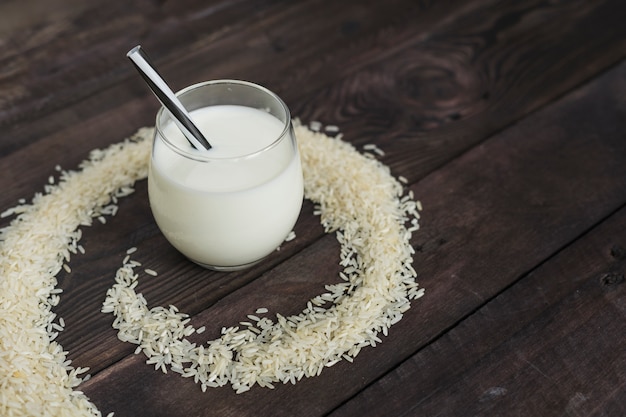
x: 227, y: 212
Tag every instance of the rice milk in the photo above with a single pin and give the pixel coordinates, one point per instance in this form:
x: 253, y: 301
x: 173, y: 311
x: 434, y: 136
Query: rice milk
x: 235, y: 203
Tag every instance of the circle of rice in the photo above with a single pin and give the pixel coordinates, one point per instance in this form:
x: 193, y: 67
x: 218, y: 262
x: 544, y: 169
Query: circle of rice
x: 356, y: 197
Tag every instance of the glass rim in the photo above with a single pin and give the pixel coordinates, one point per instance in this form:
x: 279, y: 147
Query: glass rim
x: 200, y: 155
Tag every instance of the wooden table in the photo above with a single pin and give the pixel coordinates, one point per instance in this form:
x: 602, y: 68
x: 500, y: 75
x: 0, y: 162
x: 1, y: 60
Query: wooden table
x: 507, y: 118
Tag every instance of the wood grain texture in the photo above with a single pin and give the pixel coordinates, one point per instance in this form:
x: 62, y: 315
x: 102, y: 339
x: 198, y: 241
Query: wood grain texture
x: 500, y: 229
x: 506, y: 117
x: 549, y: 345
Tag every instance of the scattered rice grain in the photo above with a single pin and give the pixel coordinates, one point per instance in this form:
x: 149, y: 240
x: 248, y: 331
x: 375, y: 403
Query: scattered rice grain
x: 315, y: 126
x: 372, y: 147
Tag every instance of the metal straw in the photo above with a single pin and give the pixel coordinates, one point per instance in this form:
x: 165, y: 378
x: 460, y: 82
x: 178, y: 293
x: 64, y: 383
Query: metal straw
x: 167, y: 98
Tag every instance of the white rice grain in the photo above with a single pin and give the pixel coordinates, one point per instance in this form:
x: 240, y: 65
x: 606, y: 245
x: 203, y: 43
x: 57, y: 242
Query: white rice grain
x: 315, y: 126
x: 372, y: 147
x: 291, y: 236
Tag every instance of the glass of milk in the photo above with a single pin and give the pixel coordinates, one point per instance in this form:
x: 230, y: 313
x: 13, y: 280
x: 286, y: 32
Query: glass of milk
x: 228, y: 207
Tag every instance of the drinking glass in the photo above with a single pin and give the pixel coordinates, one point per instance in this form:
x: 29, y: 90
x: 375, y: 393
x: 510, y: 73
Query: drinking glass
x: 229, y: 207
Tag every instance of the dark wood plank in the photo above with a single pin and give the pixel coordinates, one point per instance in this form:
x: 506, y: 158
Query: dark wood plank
x: 472, y: 75
x: 426, y: 81
x: 107, y: 244
x: 552, y: 344
x: 191, y: 41
x: 56, y: 56
x: 377, y: 107
x: 420, y: 38
x: 65, y: 131
x: 491, y: 216
x: 368, y: 104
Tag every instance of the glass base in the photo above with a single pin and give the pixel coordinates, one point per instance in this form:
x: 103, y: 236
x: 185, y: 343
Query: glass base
x: 226, y: 268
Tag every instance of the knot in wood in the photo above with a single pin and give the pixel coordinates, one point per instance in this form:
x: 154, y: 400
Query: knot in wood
x: 611, y: 280
x: 618, y: 252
